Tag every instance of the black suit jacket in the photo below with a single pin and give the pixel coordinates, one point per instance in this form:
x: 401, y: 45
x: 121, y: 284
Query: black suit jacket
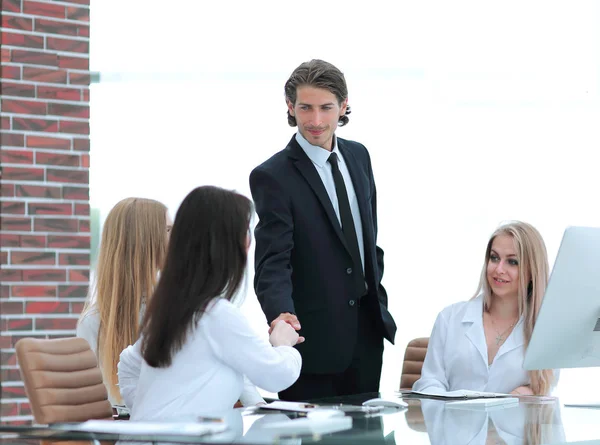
x: 302, y: 263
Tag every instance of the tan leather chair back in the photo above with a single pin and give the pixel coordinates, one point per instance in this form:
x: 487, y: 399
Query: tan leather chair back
x: 413, y: 362
x: 62, y: 380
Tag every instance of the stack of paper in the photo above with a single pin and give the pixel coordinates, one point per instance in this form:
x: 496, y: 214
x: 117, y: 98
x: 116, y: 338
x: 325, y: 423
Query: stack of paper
x: 311, y: 426
x: 135, y: 428
x: 483, y: 404
x: 460, y: 394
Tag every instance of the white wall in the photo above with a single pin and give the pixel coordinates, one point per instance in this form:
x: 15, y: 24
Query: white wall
x: 473, y: 112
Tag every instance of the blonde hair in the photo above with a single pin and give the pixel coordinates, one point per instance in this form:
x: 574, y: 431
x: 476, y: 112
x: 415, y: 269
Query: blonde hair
x: 132, y: 250
x: 533, y: 279
x: 540, y: 424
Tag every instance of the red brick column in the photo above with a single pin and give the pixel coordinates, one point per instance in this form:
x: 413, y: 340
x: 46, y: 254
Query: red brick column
x: 45, y: 232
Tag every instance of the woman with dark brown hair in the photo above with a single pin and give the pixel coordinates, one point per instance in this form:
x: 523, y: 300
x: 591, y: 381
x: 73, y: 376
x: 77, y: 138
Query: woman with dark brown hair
x: 196, y: 346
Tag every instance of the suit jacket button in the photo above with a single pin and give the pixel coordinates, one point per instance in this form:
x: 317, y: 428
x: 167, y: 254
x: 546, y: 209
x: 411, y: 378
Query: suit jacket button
x: 351, y: 302
x: 349, y: 270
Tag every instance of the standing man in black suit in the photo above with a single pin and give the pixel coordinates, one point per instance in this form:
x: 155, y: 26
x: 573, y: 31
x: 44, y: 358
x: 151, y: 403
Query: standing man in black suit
x: 317, y: 263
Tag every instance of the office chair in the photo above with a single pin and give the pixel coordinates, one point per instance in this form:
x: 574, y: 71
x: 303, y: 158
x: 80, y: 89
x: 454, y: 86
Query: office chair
x: 62, y: 380
x: 413, y: 362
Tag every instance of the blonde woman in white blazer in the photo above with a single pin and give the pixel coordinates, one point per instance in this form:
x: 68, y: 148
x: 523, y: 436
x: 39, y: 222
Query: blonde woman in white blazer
x: 480, y: 344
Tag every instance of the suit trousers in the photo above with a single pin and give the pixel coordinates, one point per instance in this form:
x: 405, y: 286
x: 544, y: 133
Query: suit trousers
x: 363, y: 374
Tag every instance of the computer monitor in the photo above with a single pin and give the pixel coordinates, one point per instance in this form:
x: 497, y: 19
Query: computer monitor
x: 567, y: 331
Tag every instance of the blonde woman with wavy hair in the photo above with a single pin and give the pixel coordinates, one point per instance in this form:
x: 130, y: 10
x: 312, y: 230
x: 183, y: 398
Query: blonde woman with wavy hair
x: 480, y: 344
x: 132, y: 251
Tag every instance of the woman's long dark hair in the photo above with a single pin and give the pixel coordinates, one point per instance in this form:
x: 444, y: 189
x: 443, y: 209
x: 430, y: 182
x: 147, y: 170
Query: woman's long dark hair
x: 206, y: 259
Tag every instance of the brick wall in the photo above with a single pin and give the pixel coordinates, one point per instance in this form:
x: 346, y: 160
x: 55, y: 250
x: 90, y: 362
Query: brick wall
x: 45, y: 239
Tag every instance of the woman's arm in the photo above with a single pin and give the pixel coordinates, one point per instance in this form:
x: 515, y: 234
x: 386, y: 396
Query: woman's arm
x: 524, y: 390
x: 433, y: 374
x: 250, y: 396
x: 235, y: 343
x: 87, y: 328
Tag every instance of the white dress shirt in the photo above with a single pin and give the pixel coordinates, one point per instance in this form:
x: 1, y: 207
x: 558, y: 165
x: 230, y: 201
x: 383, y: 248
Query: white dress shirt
x: 319, y: 157
x: 206, y: 375
x: 457, y: 355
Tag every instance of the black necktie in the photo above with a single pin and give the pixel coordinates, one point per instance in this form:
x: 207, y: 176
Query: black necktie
x: 347, y: 224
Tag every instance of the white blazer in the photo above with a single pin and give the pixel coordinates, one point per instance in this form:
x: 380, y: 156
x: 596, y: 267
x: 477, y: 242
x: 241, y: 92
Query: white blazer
x: 89, y: 326
x: 457, y: 354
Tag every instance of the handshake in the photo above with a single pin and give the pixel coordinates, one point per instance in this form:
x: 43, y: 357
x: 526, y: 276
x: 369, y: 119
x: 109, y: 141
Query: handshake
x: 283, y: 331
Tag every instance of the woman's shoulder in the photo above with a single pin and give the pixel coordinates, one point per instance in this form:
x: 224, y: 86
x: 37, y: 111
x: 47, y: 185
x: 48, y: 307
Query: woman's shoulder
x: 89, y: 325
x: 89, y: 317
x: 222, y: 319
x: 219, y: 304
x: 220, y: 309
x: 461, y: 308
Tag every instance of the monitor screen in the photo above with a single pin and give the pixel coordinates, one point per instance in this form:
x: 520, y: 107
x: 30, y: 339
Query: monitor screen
x: 567, y: 331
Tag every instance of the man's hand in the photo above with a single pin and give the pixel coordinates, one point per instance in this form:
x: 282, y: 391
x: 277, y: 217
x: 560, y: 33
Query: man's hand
x: 284, y: 335
x: 290, y: 319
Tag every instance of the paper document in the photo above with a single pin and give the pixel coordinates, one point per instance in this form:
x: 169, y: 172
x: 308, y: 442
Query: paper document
x: 310, y: 426
x: 132, y: 427
x: 580, y: 400
x: 583, y: 405
x: 301, y: 407
x: 476, y: 404
x: 290, y: 406
x: 460, y: 394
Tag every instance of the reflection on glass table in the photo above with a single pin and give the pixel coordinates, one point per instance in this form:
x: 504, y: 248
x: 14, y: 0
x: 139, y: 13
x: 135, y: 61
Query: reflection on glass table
x: 424, y: 421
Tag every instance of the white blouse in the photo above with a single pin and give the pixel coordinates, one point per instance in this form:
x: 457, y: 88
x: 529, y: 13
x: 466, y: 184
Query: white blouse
x: 457, y: 355
x: 88, y: 327
x: 206, y: 375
